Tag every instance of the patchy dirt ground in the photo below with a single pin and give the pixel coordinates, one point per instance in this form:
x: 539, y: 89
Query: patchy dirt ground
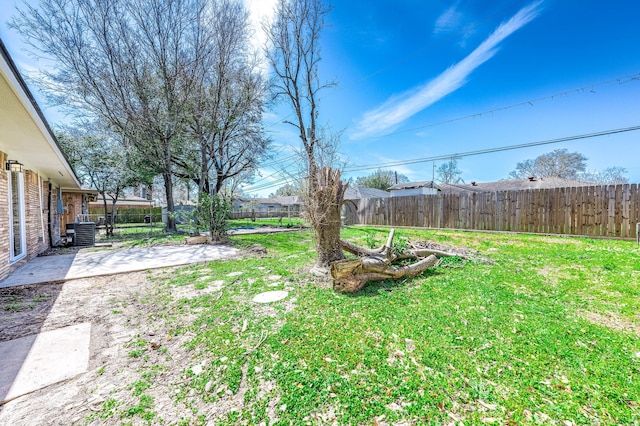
x: 119, y: 319
x: 123, y: 322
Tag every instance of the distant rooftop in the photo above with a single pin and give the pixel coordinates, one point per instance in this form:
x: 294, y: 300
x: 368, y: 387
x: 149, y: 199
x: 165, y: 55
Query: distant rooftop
x: 512, y: 185
x: 417, y: 184
x: 359, y: 192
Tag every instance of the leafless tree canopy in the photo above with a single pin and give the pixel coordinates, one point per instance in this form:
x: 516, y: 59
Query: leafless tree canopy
x: 449, y: 172
x: 559, y: 163
x: 568, y: 165
x: 294, y: 54
x: 174, y: 76
x: 610, y: 176
x: 226, y: 117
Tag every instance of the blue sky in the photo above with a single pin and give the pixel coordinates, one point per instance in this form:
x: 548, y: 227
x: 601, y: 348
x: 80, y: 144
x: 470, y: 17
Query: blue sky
x: 404, y: 67
x: 410, y: 71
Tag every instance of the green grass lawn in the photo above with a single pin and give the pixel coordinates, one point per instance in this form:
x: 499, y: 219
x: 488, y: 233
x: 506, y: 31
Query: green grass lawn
x: 546, y: 333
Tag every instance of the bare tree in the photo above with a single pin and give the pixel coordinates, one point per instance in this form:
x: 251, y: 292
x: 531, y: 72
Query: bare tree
x: 226, y: 118
x: 131, y: 62
x: 559, y: 163
x: 449, y: 172
x: 609, y: 176
x: 294, y: 54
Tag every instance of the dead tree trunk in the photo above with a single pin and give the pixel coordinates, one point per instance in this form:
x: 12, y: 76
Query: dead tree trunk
x: 323, y: 212
x: 350, y: 275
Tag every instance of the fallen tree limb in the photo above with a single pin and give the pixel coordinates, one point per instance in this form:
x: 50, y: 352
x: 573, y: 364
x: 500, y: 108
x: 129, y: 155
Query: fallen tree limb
x: 350, y: 275
x: 359, y: 251
x: 414, y: 253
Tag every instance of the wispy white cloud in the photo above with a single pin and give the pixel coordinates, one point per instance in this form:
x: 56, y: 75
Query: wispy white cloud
x: 448, y: 21
x: 400, y: 107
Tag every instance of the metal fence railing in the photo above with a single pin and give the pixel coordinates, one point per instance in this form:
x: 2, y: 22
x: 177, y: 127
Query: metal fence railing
x: 264, y: 214
x: 121, y: 218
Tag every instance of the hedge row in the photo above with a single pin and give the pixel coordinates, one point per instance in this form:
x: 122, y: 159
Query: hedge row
x: 130, y: 214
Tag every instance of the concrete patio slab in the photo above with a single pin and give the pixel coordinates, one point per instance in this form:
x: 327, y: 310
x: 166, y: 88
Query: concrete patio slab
x: 88, y: 263
x: 34, y: 362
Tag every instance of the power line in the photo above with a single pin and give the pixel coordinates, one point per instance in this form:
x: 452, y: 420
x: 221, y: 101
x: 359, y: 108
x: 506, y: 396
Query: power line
x: 462, y: 154
x: 268, y: 185
x: 590, y: 87
x: 496, y: 149
x: 398, y: 62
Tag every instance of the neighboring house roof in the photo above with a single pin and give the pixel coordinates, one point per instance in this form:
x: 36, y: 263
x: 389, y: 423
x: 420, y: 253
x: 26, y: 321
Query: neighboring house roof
x: 359, y: 192
x: 83, y: 189
x: 288, y: 200
x: 512, y: 185
x: 26, y: 135
x: 131, y: 200
x: 256, y: 200
x: 413, y: 185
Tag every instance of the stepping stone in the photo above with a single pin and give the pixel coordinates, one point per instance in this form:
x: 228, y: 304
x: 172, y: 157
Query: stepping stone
x: 274, y: 277
x: 270, y: 296
x: 234, y: 274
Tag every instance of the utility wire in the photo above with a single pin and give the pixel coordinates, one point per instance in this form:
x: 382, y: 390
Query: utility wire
x: 468, y: 153
x: 590, y: 87
x: 497, y: 149
x: 268, y: 185
x: 397, y: 63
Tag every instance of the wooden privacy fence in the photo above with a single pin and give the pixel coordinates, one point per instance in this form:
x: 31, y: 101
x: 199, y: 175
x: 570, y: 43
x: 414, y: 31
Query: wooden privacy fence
x: 611, y: 210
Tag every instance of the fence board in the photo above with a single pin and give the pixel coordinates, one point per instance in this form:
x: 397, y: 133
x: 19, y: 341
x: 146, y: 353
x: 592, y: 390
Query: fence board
x: 633, y: 212
x: 600, y: 210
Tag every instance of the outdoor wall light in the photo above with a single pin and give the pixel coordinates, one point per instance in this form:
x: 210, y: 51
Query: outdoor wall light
x: 14, y: 166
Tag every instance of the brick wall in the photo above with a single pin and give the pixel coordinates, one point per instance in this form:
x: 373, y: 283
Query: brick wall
x: 36, y: 217
x: 37, y: 235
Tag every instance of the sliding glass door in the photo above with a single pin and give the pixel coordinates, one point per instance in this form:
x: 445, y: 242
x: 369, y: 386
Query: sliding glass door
x: 17, y: 234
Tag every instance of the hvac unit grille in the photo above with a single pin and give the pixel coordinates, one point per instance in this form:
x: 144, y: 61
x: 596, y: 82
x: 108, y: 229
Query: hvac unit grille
x: 85, y: 234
